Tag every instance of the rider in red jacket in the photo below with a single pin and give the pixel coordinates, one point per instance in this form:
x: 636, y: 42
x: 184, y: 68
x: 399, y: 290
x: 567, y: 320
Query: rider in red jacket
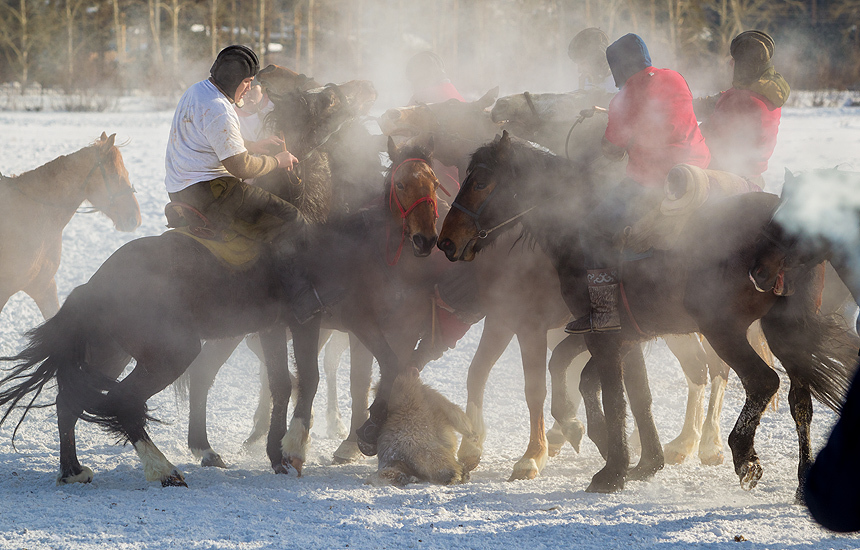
x: 740, y: 125
x: 652, y: 121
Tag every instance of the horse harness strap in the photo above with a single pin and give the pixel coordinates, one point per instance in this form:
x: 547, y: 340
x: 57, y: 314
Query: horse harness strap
x: 404, y: 212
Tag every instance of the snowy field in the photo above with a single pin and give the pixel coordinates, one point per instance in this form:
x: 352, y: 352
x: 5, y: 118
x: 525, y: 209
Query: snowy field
x: 249, y: 507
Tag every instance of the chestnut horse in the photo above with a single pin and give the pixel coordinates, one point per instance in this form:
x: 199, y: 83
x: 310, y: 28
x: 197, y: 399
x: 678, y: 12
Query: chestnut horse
x: 701, y: 286
x: 36, y: 205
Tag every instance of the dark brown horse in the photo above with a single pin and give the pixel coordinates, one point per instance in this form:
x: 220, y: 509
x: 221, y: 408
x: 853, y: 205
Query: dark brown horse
x: 36, y: 205
x: 154, y: 300
x: 701, y: 286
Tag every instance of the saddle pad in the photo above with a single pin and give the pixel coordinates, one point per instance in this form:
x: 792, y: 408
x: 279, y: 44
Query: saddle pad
x: 238, y: 252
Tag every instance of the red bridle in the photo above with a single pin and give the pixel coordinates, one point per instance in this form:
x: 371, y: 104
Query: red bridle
x: 404, y: 212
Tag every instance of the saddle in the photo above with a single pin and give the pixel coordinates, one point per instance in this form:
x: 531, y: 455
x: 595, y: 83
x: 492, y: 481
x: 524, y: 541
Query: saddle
x: 687, y: 188
x: 231, y: 248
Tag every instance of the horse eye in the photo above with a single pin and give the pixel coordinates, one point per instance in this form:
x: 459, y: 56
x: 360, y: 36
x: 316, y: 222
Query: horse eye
x: 480, y: 185
x: 400, y: 186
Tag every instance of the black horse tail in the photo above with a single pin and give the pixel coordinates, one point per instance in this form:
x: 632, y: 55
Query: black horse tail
x: 56, y: 351
x: 818, y: 351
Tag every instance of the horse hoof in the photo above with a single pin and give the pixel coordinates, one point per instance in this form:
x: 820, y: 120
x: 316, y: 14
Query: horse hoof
x: 347, y: 453
x: 296, y: 464
x: 525, y: 472
x: 368, y: 435
x: 573, y: 432
x: 606, y: 481
x: 749, y: 475
x: 85, y: 476
x: 175, y: 479
x: 555, y: 441
x: 642, y: 472
x: 213, y: 460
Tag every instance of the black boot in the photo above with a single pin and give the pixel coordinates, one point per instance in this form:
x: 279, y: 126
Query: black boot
x: 304, y: 300
x: 603, y: 292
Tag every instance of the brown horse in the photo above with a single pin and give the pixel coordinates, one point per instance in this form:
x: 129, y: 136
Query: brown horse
x: 702, y: 286
x: 36, y: 205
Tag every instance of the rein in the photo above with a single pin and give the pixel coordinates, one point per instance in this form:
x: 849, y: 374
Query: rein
x: 404, y: 213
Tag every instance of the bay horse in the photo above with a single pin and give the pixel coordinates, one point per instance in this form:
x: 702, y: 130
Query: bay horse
x: 386, y: 304
x: 154, y: 300
x: 35, y: 207
x: 701, y: 286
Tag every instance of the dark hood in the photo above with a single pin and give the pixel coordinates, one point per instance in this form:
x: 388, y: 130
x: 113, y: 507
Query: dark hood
x: 627, y: 56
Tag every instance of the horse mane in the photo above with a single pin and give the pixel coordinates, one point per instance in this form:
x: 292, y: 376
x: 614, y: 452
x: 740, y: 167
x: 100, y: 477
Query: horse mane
x: 52, y: 169
x: 546, y: 178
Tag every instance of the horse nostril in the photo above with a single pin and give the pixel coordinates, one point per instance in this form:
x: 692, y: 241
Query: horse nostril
x: 445, y: 245
x: 393, y: 115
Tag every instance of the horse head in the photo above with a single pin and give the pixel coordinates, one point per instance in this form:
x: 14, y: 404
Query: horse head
x: 277, y: 80
x: 308, y: 118
x: 108, y: 188
x: 487, y: 202
x: 411, y: 196
x: 800, y: 234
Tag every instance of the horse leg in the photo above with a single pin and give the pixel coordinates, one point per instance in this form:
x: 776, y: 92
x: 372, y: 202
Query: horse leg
x: 800, y: 402
x: 533, y: 352
x: 711, y: 445
x: 126, y: 403
x: 201, y: 374
x: 389, y: 367
x: 306, y: 346
x: 337, y: 344
x: 360, y: 373
x: 263, y: 412
x: 71, y: 470
x: 274, y: 343
x: 564, y: 405
x: 691, y: 355
x: 494, y: 339
x: 760, y: 383
x: 636, y: 382
x: 606, y: 351
x: 595, y: 421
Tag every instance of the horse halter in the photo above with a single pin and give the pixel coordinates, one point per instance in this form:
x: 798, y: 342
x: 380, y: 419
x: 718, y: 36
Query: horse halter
x: 112, y: 196
x: 404, y: 212
x: 476, y: 215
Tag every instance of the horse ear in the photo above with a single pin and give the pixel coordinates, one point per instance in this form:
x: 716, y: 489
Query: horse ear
x: 431, y: 144
x: 107, y: 141
x: 505, y: 140
x: 103, y: 137
x: 789, y: 177
x: 488, y: 98
x: 392, y: 148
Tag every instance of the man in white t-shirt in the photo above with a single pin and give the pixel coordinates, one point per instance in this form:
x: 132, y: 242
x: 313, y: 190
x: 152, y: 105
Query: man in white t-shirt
x: 207, y: 163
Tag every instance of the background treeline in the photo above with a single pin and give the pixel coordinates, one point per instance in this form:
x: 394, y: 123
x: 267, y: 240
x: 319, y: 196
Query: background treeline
x: 162, y: 46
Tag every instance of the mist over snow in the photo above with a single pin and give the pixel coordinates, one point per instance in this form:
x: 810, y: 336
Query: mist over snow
x: 248, y: 507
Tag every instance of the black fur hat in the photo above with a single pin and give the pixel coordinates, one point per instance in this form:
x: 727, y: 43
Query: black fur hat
x: 233, y: 65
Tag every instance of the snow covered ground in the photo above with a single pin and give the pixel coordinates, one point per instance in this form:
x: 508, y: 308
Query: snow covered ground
x: 248, y: 507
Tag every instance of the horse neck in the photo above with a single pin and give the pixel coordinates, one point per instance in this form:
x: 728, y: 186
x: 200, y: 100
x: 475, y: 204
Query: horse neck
x: 562, y: 197
x: 61, y: 184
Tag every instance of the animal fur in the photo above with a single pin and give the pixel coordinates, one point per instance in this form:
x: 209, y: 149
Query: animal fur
x: 418, y: 441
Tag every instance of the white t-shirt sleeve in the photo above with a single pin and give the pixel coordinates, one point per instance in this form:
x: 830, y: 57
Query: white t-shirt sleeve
x: 224, y: 135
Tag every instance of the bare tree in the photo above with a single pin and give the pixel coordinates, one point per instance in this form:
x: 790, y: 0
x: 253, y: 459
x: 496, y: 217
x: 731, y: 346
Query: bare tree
x: 15, y: 35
